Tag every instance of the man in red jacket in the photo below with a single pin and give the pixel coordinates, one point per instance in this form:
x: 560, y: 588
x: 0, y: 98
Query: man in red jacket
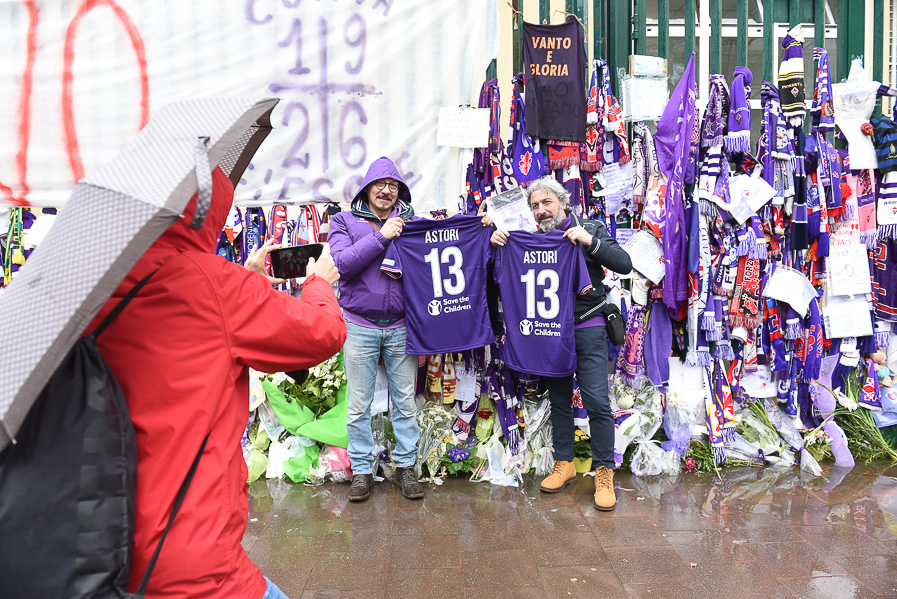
x: 181, y: 351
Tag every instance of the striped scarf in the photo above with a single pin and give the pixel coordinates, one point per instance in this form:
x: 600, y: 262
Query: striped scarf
x: 823, y: 109
x: 791, y: 77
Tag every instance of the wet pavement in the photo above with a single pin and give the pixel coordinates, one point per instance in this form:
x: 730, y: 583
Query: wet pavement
x: 765, y: 533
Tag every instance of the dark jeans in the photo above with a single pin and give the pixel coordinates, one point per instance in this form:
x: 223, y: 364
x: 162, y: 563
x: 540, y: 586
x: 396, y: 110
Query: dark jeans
x: 591, y: 374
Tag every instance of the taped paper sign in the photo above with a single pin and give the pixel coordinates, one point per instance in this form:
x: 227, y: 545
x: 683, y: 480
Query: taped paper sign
x: 646, y: 253
x: 463, y: 127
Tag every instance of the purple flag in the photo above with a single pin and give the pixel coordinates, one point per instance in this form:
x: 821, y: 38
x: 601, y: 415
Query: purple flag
x: 673, y: 143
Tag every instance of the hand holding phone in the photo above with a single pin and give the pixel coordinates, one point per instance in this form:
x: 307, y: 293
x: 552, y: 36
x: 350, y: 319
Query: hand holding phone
x: 291, y: 263
x: 324, y: 266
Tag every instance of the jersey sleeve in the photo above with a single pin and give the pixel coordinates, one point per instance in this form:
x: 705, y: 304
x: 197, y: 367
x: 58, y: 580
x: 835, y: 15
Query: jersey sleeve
x: 582, y: 283
x: 392, y: 261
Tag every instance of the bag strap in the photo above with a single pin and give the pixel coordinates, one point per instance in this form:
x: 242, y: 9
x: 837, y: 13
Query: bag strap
x: 121, y: 304
x: 174, y: 510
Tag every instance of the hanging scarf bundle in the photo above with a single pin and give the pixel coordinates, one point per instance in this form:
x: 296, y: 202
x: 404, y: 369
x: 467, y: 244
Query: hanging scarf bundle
x: 675, y: 131
x: 699, y: 260
x: 256, y: 231
x: 713, y: 420
x: 476, y: 192
x: 758, y: 240
x: 725, y: 406
x: 799, y: 232
x: 870, y: 396
x: 745, y: 308
x: 823, y: 109
x: 640, y: 174
x: 711, y: 167
x: 527, y: 161
x: 613, y: 121
x: 886, y: 210
x: 775, y: 336
x: 884, y: 280
x: 653, y: 212
x: 713, y: 129
x: 590, y: 151
x: 630, y: 366
x: 738, y: 139
x: 808, y: 347
x: 791, y: 77
x: 863, y: 183
x: 482, y: 157
x: 506, y: 408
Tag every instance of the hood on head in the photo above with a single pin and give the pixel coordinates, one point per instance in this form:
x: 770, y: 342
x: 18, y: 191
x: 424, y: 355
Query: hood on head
x: 180, y: 236
x: 382, y: 168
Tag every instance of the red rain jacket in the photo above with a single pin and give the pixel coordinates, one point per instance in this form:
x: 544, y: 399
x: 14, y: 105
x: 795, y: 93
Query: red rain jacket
x: 181, y: 351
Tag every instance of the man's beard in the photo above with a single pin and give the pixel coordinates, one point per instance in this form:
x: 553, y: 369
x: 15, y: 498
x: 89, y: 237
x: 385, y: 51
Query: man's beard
x: 550, y: 225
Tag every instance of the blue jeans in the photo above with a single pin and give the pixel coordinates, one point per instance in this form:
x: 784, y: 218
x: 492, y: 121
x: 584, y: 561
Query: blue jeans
x: 591, y: 374
x: 272, y: 592
x: 361, y: 353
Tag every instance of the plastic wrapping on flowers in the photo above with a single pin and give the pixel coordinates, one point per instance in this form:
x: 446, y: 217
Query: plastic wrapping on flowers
x: 435, y: 424
x: 292, y: 425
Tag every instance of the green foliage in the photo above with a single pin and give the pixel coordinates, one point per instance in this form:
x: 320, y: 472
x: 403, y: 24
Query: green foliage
x: 582, y: 448
x: 452, y: 467
x: 319, y: 392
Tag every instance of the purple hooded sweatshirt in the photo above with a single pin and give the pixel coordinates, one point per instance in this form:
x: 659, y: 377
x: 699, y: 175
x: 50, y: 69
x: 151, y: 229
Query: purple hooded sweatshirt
x: 358, y: 248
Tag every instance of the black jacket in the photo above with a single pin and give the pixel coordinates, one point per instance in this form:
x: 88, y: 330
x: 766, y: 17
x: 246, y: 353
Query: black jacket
x: 604, y: 251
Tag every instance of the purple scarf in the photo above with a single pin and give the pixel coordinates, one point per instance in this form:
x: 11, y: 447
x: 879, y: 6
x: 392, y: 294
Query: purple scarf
x: 673, y: 142
x: 738, y: 139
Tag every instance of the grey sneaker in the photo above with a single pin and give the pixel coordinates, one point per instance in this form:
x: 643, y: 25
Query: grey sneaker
x: 407, y: 480
x: 361, y: 487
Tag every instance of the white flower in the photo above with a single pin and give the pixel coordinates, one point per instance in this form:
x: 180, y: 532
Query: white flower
x: 626, y: 402
x: 277, y: 378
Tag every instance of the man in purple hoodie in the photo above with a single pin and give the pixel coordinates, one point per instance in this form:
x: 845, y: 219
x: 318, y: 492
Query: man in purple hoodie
x: 374, y: 309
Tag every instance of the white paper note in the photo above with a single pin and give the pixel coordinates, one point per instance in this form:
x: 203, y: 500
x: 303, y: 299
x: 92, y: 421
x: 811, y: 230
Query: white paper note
x: 846, y: 317
x: 790, y: 286
x: 848, y: 270
x: 647, y: 255
x: 511, y: 212
x: 463, y: 127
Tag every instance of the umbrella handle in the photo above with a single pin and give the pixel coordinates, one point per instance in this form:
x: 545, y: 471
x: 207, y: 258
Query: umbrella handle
x: 203, y: 182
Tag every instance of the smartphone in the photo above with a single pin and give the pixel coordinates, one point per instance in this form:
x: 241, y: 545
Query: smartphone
x: 291, y: 263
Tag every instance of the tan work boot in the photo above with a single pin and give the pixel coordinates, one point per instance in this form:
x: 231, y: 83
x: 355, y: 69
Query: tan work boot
x: 605, y: 500
x: 561, y: 475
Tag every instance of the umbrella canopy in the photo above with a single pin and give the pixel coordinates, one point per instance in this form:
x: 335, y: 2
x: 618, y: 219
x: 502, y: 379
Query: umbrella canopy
x: 120, y: 210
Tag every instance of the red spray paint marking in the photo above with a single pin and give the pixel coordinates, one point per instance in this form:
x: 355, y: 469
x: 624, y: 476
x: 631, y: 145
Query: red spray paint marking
x: 25, y: 109
x: 68, y: 114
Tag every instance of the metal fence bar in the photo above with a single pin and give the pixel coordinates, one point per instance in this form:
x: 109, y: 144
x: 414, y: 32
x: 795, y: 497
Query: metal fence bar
x: 689, y: 28
x: 793, y: 13
x: 619, y: 39
x: 544, y: 9
x: 742, y: 32
x: 716, y: 28
x: 598, y: 28
x: 768, y: 49
x: 663, y: 28
x: 878, y: 46
x: 517, y: 29
x: 641, y: 26
x: 492, y: 70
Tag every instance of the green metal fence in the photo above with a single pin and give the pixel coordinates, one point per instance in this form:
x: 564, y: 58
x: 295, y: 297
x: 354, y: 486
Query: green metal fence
x: 735, y: 32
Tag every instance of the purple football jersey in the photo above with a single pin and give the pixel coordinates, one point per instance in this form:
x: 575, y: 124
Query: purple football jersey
x: 442, y: 265
x: 539, y: 277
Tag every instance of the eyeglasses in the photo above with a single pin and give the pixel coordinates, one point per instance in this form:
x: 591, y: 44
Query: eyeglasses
x: 380, y: 184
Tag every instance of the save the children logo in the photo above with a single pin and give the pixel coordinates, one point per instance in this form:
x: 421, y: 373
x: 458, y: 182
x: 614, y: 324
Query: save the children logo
x: 434, y: 308
x: 526, y: 327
